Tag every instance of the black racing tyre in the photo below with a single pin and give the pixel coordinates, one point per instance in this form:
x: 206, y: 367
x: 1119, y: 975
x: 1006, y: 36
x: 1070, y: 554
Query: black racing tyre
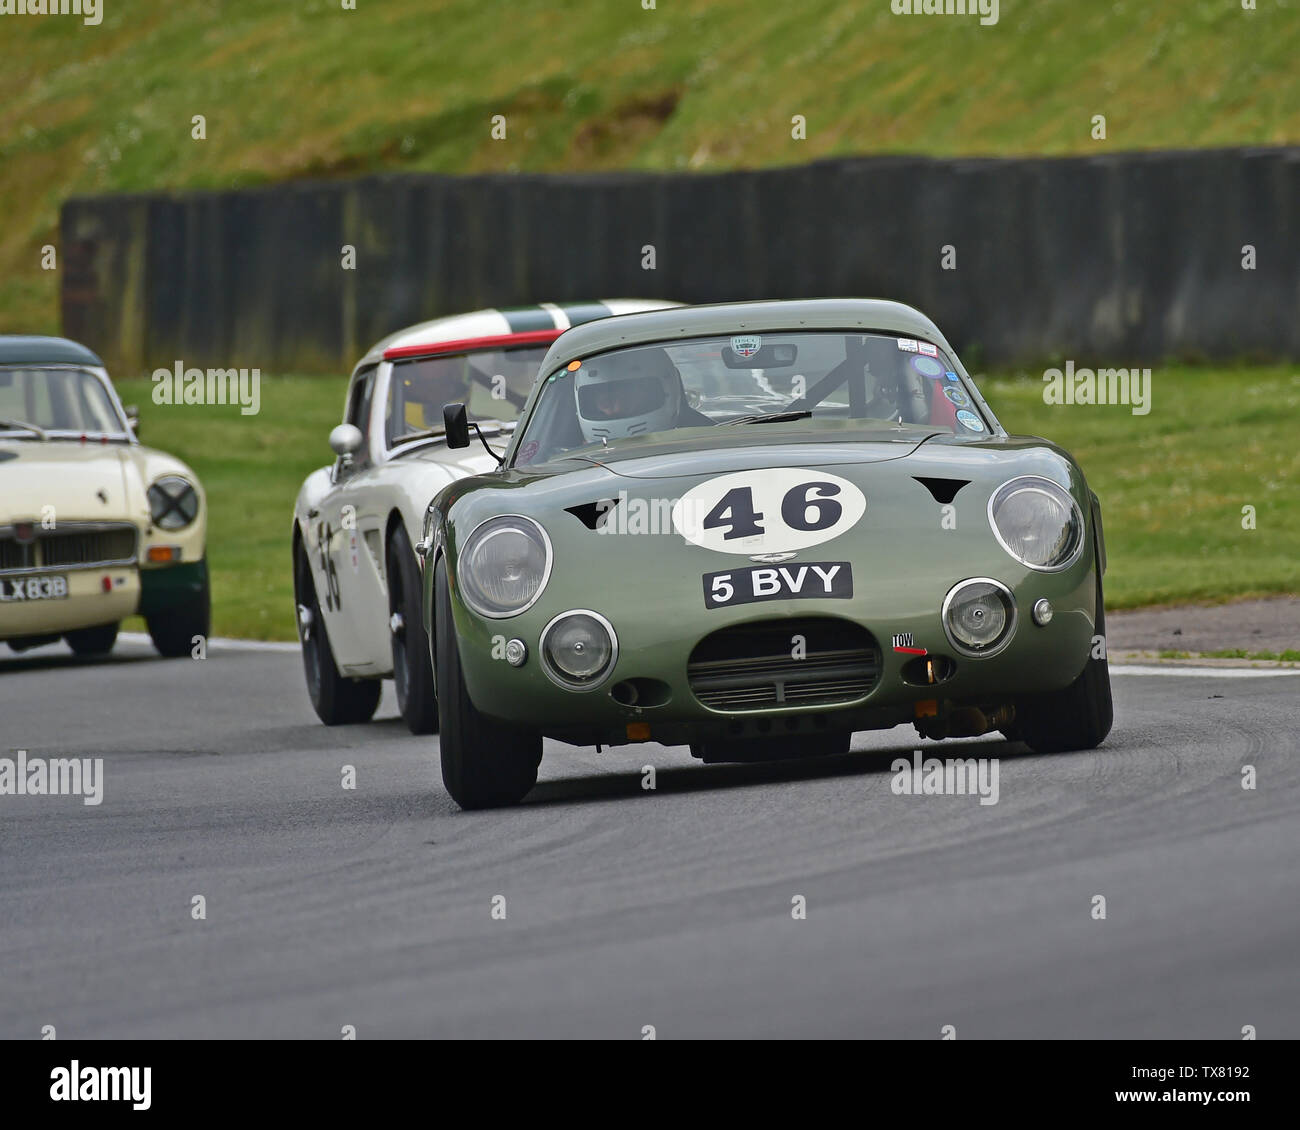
x: 173, y: 631
x: 412, y: 668
x: 485, y: 763
x: 337, y: 700
x: 1077, y: 717
x: 93, y: 641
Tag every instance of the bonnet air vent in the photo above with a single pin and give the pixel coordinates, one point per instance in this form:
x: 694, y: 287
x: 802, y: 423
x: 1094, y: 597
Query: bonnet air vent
x: 943, y: 490
x: 592, y: 514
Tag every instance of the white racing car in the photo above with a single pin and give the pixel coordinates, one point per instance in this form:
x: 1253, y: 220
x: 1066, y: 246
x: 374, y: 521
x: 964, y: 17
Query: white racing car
x: 94, y: 526
x: 356, y: 575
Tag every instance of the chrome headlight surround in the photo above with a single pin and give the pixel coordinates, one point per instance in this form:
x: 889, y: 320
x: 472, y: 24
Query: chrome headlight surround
x: 1009, y: 603
x: 1051, y: 490
x: 563, y: 679
x: 471, y: 587
x: 173, y: 502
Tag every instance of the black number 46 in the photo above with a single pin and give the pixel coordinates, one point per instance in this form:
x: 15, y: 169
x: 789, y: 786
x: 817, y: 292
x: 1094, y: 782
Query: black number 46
x: 808, y: 506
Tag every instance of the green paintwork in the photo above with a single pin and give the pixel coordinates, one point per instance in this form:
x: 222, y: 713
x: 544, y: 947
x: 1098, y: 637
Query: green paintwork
x: 650, y: 586
x: 170, y: 586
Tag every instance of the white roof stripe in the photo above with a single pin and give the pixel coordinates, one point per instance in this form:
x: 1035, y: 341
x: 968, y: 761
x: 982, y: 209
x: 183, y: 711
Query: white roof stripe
x: 489, y: 323
x: 561, y: 318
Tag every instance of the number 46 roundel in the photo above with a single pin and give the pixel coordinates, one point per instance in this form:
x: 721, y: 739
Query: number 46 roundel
x: 768, y: 511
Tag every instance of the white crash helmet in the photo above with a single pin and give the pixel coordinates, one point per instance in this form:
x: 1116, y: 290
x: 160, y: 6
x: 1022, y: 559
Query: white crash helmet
x: 628, y: 393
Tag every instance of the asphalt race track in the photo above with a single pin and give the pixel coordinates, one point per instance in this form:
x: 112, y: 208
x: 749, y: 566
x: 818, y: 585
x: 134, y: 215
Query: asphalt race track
x: 626, y: 908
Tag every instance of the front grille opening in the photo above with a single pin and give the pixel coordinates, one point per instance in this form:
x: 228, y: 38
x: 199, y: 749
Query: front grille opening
x: 87, y: 548
x: 69, y: 547
x: 808, y: 661
x: 15, y: 555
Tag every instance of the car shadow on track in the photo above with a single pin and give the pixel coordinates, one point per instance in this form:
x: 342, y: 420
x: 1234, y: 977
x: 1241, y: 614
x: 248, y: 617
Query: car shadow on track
x: 700, y: 777
x: 21, y: 662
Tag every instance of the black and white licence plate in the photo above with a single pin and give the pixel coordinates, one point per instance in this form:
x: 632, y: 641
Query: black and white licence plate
x: 13, y: 589
x: 822, y: 580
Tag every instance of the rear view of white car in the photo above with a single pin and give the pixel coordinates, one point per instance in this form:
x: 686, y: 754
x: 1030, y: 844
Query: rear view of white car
x: 356, y: 522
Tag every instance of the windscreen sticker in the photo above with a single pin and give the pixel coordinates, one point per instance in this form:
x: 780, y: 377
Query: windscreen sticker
x: 774, y: 510
x: 970, y: 420
x: 928, y: 349
x: 958, y: 397
x: 746, y: 345
x: 907, y: 344
x: 951, y: 376
x: 927, y: 366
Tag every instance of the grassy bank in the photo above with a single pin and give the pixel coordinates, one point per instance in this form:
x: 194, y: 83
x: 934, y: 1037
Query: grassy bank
x: 1173, y: 483
x: 311, y: 89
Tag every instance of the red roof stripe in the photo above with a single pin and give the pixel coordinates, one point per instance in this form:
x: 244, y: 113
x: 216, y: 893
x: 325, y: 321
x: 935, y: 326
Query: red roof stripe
x: 469, y: 344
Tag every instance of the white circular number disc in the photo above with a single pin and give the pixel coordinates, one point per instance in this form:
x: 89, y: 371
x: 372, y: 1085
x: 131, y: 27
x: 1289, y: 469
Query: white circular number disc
x: 775, y: 510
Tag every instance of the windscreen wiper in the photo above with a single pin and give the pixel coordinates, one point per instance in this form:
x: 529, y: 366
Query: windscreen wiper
x: 771, y: 417
x: 40, y: 433
x: 427, y: 433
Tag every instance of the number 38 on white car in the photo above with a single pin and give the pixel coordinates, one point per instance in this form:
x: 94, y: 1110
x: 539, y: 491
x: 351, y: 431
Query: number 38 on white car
x: 356, y: 574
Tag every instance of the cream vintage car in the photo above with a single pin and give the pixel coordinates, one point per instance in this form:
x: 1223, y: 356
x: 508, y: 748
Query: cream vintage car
x: 94, y: 527
x: 356, y: 575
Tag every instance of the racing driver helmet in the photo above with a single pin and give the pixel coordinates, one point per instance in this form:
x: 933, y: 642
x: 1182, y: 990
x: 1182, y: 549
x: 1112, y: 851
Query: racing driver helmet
x: 629, y: 393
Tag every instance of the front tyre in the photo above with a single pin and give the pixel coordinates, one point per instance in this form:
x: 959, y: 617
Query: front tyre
x: 337, y: 700
x: 485, y: 763
x: 412, y: 669
x: 1079, y: 716
x: 87, y: 642
x: 173, y: 630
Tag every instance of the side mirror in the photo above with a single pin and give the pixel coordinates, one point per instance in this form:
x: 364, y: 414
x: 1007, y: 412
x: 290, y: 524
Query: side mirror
x: 133, y: 419
x: 455, y: 421
x: 346, y: 440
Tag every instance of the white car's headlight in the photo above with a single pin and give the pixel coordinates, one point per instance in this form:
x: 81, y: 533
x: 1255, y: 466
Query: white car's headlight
x: 173, y: 503
x: 504, y: 565
x: 1037, y: 522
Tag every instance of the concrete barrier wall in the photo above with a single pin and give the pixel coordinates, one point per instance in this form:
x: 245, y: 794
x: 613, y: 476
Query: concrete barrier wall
x: 1123, y: 257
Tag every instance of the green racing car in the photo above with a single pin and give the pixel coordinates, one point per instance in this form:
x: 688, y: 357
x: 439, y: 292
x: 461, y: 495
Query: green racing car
x: 754, y: 529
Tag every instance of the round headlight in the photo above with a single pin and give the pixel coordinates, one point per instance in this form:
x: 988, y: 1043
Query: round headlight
x: 173, y: 503
x: 1037, y: 522
x: 579, y: 649
x: 504, y: 566
x: 979, y: 616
